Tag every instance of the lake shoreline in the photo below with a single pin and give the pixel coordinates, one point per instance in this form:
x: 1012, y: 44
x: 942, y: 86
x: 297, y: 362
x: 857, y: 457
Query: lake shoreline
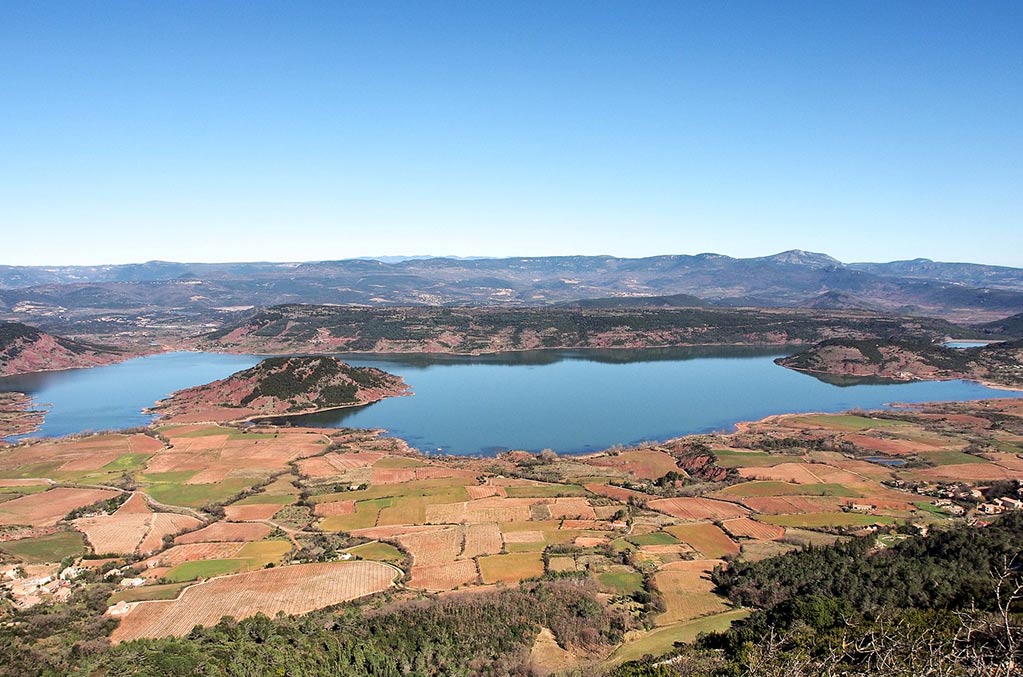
x: 575, y: 402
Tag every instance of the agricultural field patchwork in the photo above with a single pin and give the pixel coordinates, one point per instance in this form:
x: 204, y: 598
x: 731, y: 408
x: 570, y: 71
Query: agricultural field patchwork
x: 208, y: 520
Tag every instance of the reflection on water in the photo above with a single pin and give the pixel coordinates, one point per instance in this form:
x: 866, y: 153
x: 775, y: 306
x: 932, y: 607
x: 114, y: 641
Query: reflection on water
x: 570, y: 401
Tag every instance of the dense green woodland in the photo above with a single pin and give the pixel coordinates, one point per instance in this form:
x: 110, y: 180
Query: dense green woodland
x: 481, y: 634
x: 567, y: 327
x: 927, y: 605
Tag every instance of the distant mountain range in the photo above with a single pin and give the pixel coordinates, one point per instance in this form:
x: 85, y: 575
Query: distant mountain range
x: 208, y: 292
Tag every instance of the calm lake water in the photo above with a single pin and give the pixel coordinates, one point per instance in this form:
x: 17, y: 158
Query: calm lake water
x: 570, y: 401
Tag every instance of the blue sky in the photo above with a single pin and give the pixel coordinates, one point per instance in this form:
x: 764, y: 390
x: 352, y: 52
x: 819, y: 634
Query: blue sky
x: 227, y: 131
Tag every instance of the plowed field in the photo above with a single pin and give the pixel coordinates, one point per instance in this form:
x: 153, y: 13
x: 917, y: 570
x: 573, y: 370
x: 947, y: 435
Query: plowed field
x: 293, y: 589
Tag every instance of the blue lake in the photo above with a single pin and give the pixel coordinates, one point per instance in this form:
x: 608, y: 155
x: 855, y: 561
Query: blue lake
x: 569, y: 401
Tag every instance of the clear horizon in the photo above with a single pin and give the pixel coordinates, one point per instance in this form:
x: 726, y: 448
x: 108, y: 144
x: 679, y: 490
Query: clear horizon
x: 221, y: 132
x: 460, y: 257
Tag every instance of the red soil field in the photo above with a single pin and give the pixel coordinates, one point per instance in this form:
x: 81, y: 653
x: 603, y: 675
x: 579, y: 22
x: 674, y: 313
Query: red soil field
x: 758, y: 531
x: 363, y: 459
x: 115, y: 535
x: 571, y: 508
x: 295, y: 589
x: 644, y: 463
x: 965, y: 472
x: 890, y: 447
x: 523, y: 537
x: 210, y: 475
x: 144, y: 444
x: 705, y: 538
x: 215, y: 453
x: 800, y: 473
x: 226, y: 531
x: 687, y: 591
x: 192, y: 552
x: 584, y: 525
x: 87, y: 453
x: 477, y: 492
x: 448, y: 576
x: 697, y: 508
x: 493, y: 509
x: 126, y: 533
x: 334, y: 508
x: 317, y: 466
x: 1009, y: 461
x: 93, y: 461
x: 389, y: 532
x: 332, y: 464
x: 481, y: 539
x: 21, y: 483
x: 165, y: 524
x: 441, y: 545
x: 49, y: 507
x: 782, y: 505
x: 617, y: 493
x: 401, y: 475
x: 135, y: 505
x: 695, y: 565
x: 392, y: 475
x: 256, y: 511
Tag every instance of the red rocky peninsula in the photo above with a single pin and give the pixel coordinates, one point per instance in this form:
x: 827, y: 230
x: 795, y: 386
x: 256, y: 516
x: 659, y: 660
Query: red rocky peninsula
x: 282, y: 386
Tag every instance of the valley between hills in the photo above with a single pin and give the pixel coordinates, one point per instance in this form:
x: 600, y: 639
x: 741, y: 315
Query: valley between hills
x: 114, y: 546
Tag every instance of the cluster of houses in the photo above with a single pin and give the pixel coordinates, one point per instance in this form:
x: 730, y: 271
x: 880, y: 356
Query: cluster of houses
x: 997, y: 506
x: 949, y: 495
x: 947, y: 490
x: 29, y: 585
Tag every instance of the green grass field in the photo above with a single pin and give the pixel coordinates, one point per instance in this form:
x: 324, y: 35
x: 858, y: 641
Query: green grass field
x: 232, y: 433
x: 623, y: 581
x: 263, y: 552
x: 707, y: 538
x: 771, y: 488
x: 545, y: 491
x: 41, y: 469
x: 50, y: 548
x: 128, y: 462
x: 377, y: 551
x: 950, y: 457
x: 453, y: 488
x: 661, y: 640
x: 826, y: 519
x: 510, y: 568
x: 10, y: 493
x: 750, y: 459
x: 365, y: 516
x: 847, y: 422
x: 262, y: 499
x: 207, y: 568
x: 149, y: 592
x: 398, y: 462
x: 655, y: 538
x: 196, y: 495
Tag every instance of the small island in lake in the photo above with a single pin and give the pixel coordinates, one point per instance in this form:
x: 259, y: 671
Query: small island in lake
x: 282, y: 386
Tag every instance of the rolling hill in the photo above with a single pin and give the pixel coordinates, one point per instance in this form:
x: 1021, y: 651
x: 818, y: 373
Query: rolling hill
x: 26, y: 349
